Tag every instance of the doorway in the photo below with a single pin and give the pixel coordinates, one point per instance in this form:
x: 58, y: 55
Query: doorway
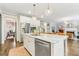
x: 9, y: 27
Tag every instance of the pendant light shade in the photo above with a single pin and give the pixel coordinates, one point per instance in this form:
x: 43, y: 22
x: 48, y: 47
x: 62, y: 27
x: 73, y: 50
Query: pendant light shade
x: 34, y: 12
x: 42, y: 16
x: 34, y: 18
x: 48, y: 11
x: 29, y: 12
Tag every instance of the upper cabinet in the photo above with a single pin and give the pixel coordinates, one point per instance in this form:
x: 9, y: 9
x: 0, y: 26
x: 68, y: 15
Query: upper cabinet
x: 71, y: 24
x: 33, y: 23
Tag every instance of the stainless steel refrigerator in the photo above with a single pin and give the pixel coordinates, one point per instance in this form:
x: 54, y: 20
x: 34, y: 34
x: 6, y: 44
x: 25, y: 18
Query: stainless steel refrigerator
x: 27, y: 28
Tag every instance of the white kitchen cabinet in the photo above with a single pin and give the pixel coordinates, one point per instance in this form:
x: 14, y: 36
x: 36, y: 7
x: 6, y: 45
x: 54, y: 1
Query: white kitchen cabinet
x: 25, y: 41
x: 29, y: 44
x: 57, y: 49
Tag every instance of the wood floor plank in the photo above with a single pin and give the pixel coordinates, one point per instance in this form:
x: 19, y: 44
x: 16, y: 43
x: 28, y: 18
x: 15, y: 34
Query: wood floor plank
x: 19, y: 51
x: 8, y: 44
x: 73, y: 48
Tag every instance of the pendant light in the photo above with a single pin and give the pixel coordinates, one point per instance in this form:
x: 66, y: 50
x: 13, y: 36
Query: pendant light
x: 34, y: 12
x: 42, y: 16
x: 48, y: 11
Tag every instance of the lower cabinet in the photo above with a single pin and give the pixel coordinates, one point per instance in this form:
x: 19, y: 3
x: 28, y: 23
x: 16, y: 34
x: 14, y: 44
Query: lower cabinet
x: 29, y: 44
x: 57, y: 49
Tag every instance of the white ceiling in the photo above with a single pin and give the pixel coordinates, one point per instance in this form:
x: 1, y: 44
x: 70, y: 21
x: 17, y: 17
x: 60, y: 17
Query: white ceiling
x: 59, y: 10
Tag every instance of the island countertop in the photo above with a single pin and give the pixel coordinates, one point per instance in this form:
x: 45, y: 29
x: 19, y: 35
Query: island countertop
x: 49, y: 37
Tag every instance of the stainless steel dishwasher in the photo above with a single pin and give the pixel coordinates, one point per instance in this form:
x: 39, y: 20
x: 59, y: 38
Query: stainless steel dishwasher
x: 42, y: 48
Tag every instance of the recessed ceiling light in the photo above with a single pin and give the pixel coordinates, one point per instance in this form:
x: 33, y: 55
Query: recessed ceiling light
x: 29, y: 12
x: 42, y: 16
x: 65, y: 22
x: 34, y: 18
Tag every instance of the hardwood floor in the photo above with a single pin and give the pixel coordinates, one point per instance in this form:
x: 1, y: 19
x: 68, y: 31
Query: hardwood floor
x: 9, y: 44
x: 73, y: 47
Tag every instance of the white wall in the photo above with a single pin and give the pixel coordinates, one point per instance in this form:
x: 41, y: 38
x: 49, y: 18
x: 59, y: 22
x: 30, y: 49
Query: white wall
x: 3, y: 22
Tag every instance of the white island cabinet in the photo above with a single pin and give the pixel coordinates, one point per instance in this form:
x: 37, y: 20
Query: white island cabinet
x: 58, y: 44
x: 58, y: 49
x: 29, y: 44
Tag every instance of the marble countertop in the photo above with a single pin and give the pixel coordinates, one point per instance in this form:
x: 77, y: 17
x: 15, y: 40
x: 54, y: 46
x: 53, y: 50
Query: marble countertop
x: 49, y: 37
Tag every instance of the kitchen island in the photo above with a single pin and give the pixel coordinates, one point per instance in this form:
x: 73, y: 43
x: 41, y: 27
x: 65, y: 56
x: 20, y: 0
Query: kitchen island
x: 58, y: 43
